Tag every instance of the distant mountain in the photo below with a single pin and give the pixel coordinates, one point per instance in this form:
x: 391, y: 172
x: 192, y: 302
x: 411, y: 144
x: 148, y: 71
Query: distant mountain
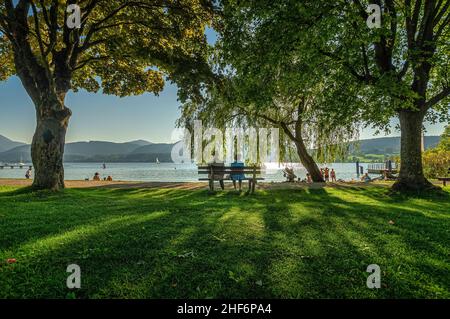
x: 386, y: 145
x: 153, y: 149
x: 94, y: 148
x: 17, y: 154
x: 141, y: 142
x: 150, y: 153
x: 6, y: 144
x: 97, y: 151
x: 144, y: 151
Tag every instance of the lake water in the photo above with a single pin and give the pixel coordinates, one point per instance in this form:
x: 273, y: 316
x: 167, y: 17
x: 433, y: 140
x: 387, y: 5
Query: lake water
x: 167, y: 172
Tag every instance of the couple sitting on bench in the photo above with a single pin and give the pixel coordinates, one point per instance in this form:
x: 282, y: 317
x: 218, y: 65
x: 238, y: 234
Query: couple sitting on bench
x: 237, y: 177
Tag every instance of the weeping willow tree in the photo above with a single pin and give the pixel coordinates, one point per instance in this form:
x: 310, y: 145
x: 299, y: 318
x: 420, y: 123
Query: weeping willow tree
x: 310, y: 121
x: 268, y: 81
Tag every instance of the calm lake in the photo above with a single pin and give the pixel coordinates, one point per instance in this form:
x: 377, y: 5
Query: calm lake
x: 167, y: 172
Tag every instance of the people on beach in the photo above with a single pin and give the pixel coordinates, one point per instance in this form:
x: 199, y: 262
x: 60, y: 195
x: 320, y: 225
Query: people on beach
x: 237, y: 176
x: 366, y: 178
x: 327, y: 174
x: 288, y: 172
x: 333, y: 175
x: 96, y: 177
x: 109, y: 178
x: 28, y: 173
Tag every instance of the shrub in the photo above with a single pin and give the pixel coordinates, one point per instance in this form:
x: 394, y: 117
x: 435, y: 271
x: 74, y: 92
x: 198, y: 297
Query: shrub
x: 436, y: 162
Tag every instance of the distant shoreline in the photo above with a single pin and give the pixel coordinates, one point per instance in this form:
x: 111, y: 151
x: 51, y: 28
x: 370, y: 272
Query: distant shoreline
x: 372, y: 150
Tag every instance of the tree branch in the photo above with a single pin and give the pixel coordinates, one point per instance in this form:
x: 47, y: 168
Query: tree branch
x: 363, y: 78
x: 437, y: 98
x: 83, y: 63
x: 38, y: 32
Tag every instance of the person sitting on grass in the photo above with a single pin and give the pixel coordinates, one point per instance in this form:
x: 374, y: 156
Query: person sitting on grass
x: 96, y: 177
x: 288, y: 172
x: 366, y: 178
x: 28, y: 173
x: 308, y: 178
x: 237, y: 175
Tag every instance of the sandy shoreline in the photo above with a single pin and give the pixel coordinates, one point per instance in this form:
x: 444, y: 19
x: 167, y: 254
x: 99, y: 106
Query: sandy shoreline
x: 185, y: 185
x: 104, y: 184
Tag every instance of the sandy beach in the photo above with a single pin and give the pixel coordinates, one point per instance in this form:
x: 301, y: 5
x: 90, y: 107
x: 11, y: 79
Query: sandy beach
x: 189, y: 185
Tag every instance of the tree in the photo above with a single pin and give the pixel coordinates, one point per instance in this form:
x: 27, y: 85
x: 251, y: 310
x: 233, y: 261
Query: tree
x: 403, y: 66
x: 122, y: 47
x: 267, y: 82
x: 309, y: 125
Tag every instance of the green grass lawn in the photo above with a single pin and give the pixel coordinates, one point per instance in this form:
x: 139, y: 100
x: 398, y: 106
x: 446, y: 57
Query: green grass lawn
x: 173, y: 243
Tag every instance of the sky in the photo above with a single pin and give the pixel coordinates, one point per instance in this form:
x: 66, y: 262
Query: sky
x: 99, y: 117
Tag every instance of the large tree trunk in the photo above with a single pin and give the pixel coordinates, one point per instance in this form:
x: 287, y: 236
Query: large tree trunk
x: 411, y: 176
x: 308, y: 162
x: 47, y: 149
x: 47, y: 88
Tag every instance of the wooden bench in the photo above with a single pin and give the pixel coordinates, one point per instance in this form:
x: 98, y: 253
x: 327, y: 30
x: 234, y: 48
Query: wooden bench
x: 251, y: 174
x: 444, y: 180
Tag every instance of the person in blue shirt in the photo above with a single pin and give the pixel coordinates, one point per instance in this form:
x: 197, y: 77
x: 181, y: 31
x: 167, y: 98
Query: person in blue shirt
x: 237, y: 175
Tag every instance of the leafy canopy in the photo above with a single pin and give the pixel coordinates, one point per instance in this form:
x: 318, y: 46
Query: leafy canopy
x: 122, y: 47
x: 270, y: 79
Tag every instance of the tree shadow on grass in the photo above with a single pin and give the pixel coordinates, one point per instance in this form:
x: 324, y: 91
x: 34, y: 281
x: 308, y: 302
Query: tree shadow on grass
x: 414, y: 238
x: 30, y: 191
x: 305, y: 243
x: 40, y: 215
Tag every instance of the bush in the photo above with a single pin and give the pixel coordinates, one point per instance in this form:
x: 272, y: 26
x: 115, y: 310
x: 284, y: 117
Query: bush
x: 436, y: 162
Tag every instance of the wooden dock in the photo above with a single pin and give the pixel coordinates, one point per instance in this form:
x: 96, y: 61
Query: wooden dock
x: 382, y: 169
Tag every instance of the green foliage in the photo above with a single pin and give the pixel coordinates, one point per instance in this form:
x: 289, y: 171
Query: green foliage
x: 390, y: 61
x: 436, y: 161
x: 179, y: 243
x: 123, y: 47
x: 6, y: 60
x: 382, y: 64
x: 269, y: 79
x: 444, y: 143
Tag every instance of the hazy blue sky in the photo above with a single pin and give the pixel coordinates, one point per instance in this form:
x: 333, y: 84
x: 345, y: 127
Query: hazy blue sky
x: 108, y: 118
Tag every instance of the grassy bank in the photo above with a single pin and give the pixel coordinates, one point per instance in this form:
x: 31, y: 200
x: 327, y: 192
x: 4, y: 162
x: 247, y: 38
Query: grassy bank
x: 171, y: 243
